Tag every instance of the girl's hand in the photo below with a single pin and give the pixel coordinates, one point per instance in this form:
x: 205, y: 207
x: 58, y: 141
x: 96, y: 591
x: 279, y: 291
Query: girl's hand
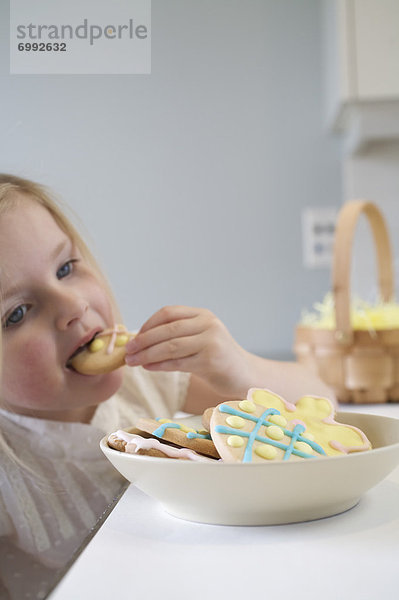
x: 180, y: 338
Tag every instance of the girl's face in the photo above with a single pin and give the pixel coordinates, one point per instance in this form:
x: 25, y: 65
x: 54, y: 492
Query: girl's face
x: 53, y: 302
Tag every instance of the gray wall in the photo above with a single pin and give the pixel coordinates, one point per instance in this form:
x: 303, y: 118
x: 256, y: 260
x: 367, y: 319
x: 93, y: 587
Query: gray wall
x: 191, y: 181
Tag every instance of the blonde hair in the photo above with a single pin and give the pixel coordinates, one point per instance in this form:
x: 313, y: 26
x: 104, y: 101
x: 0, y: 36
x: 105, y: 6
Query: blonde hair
x: 11, y: 190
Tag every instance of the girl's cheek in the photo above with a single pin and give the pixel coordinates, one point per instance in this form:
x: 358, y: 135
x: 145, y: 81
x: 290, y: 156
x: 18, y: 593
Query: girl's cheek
x: 34, y: 362
x: 30, y: 377
x: 37, y: 351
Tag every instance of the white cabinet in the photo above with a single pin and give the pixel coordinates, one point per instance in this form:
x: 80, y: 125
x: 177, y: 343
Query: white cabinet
x: 373, y: 30
x: 363, y: 69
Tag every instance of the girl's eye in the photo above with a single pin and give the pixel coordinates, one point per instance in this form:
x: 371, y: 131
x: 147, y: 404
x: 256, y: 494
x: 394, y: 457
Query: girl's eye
x: 16, y: 316
x: 66, y: 269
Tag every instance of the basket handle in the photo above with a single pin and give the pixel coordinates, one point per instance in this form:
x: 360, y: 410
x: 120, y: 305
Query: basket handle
x: 344, y: 234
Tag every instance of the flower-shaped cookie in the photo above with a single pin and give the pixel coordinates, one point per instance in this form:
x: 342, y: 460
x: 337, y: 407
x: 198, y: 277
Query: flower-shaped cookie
x: 179, y: 434
x: 266, y: 427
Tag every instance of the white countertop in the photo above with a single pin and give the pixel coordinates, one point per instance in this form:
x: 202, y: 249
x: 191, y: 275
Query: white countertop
x: 142, y: 552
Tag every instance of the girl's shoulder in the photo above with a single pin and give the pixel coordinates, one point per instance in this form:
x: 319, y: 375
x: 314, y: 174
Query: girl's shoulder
x: 143, y: 393
x: 157, y: 391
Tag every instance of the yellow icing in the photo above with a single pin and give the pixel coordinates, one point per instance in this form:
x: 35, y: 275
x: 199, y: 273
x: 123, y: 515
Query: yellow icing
x: 187, y: 429
x: 121, y: 340
x: 264, y: 451
x: 278, y: 420
x: 274, y: 432
x: 96, y: 345
x: 163, y: 421
x: 247, y: 406
x: 313, y: 412
x: 236, y: 422
x: 303, y: 447
x: 235, y: 441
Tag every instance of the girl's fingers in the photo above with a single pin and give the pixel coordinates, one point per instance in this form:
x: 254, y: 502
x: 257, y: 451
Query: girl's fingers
x: 180, y: 338
x: 180, y: 364
x: 168, y: 323
x: 167, y: 314
x: 162, y: 333
x: 177, y: 348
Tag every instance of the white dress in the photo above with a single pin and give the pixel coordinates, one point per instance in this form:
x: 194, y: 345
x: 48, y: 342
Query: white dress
x: 45, y: 518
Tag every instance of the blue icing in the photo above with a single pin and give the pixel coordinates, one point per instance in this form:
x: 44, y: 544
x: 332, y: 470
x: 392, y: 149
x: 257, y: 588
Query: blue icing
x: 295, y: 435
x: 259, y: 438
x: 298, y: 429
x: 191, y: 436
x: 160, y: 431
x: 312, y: 444
x: 224, y: 408
x: 252, y: 437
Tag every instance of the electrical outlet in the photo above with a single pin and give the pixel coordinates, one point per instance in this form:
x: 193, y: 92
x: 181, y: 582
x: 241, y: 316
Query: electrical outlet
x: 318, y: 227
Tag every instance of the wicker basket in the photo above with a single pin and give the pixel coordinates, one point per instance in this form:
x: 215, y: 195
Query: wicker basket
x: 360, y: 366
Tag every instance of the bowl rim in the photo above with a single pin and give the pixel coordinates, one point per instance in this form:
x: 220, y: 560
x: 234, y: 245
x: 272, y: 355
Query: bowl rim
x: 218, y: 463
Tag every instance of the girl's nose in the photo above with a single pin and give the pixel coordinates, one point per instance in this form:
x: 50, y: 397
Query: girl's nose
x: 70, y: 307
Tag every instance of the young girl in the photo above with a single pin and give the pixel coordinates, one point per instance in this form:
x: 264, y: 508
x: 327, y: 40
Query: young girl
x: 55, y: 482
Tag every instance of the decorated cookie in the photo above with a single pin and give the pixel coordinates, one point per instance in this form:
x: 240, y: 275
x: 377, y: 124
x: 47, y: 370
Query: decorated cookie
x: 105, y: 353
x: 119, y: 442
x: 264, y: 427
x: 180, y: 435
x: 137, y: 444
x: 206, y: 418
x: 124, y: 442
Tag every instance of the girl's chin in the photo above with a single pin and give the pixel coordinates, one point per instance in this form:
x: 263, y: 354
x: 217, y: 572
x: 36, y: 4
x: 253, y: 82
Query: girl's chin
x: 109, y: 383
x: 105, y: 384
x: 78, y: 397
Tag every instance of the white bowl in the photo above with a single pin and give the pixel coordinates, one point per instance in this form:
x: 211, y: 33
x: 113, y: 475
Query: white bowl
x: 270, y: 494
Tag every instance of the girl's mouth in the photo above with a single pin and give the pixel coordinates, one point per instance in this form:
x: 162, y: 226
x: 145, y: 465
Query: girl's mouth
x: 79, y: 350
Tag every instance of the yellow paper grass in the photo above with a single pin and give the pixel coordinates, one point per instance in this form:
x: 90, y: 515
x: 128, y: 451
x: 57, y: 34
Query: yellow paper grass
x: 364, y: 315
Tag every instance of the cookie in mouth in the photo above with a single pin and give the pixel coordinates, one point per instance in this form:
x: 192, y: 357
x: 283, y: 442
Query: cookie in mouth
x: 81, y: 348
x: 104, y: 353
